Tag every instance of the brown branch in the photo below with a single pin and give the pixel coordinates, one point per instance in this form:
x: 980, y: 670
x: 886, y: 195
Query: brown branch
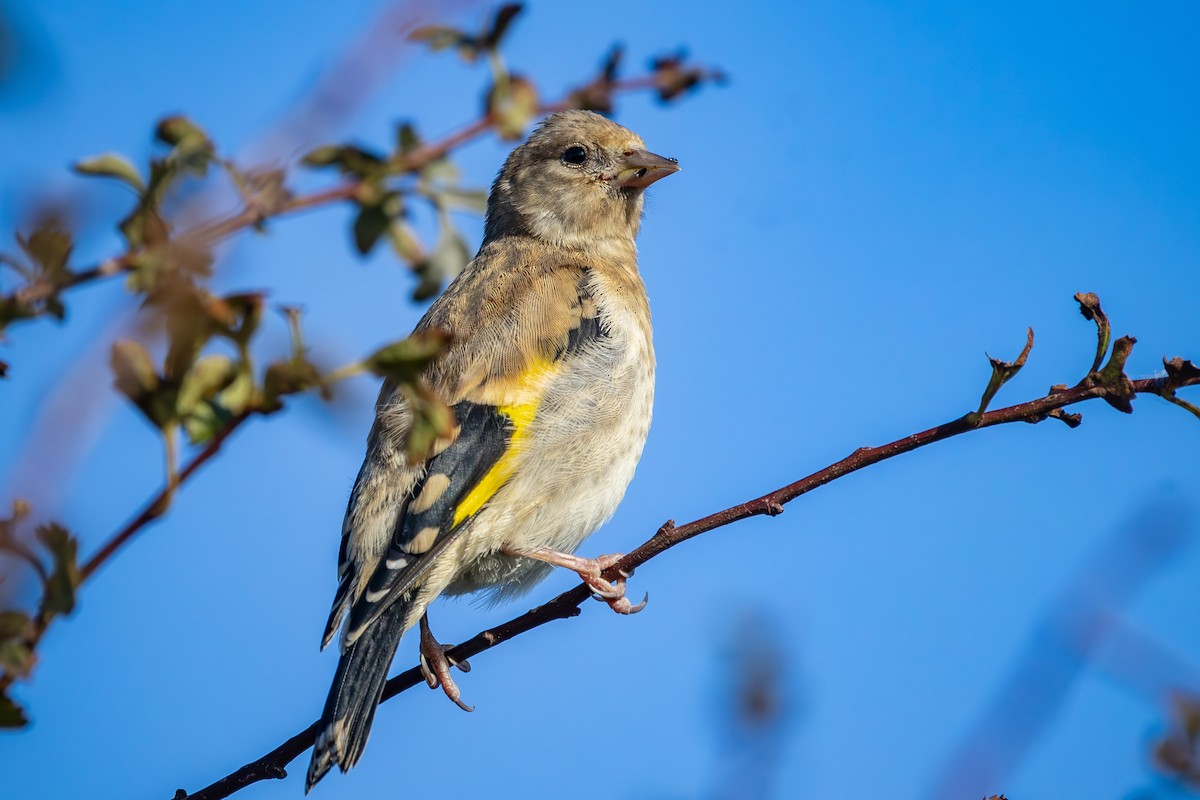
x: 567, y: 604
x: 152, y: 510
x: 207, y: 234
x: 158, y: 504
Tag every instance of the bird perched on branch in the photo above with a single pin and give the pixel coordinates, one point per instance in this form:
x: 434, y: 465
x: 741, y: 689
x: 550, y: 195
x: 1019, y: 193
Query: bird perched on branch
x: 550, y: 375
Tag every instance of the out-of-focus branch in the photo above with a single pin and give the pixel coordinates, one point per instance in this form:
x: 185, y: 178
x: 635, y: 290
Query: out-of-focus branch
x: 157, y: 505
x: 205, y: 235
x: 198, y: 390
x: 400, y: 361
x: 1060, y: 647
x: 1108, y: 383
x: 339, y: 91
x: 152, y: 510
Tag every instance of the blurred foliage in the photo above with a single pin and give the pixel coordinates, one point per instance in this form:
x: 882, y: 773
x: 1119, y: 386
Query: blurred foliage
x: 1177, y: 752
x: 201, y: 379
x: 52, y: 557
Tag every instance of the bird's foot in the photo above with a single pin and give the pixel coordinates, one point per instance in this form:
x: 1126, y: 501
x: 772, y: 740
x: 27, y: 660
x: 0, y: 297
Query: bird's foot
x: 435, y: 666
x: 590, y: 572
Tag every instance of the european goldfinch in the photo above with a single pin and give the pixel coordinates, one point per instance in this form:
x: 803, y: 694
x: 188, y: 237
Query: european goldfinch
x: 550, y: 374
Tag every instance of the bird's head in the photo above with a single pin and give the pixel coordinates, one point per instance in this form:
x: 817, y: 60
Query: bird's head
x: 577, y: 181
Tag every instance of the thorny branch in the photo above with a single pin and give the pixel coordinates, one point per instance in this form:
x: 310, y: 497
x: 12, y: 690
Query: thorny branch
x: 1109, y: 384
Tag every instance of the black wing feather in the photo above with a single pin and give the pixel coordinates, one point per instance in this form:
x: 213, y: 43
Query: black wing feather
x: 484, y: 434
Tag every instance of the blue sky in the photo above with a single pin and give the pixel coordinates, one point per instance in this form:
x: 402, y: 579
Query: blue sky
x: 883, y: 192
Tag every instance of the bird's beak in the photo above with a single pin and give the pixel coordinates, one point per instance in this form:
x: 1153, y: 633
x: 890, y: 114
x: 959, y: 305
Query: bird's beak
x: 639, y: 168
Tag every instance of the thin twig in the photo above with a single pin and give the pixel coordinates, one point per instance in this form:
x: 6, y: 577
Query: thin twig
x: 152, y: 510
x: 567, y: 604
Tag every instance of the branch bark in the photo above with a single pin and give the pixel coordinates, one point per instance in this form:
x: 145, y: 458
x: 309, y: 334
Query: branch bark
x: 1117, y: 390
x: 154, y: 508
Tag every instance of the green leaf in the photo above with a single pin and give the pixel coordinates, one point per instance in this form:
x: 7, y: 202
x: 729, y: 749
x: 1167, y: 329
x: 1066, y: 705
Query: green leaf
x: 208, y: 417
x: 248, y: 308
x: 111, y: 165
x: 504, y: 17
x: 288, y: 377
x: 448, y: 258
x: 370, y: 224
x: 11, y: 714
x: 404, y: 242
x: 134, y: 371
x: 16, y: 658
x: 1002, y: 372
x: 458, y: 197
x: 351, y: 160
x: 177, y: 129
x: 433, y: 422
x: 324, y: 156
x: 202, y: 423
x: 1089, y: 307
x: 438, y: 37
x: 55, y: 308
x: 64, y: 578
x: 236, y: 397
x: 512, y: 105
x: 191, y: 149
x: 1120, y: 393
x: 136, y: 378
x: 143, y: 225
x: 674, y: 77
x: 403, y: 361
x: 13, y: 624
x: 193, y: 316
x: 49, y: 248
x: 407, y: 139
x: 203, y: 381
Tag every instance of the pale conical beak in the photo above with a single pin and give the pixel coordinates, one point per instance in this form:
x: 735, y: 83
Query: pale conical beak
x: 639, y: 169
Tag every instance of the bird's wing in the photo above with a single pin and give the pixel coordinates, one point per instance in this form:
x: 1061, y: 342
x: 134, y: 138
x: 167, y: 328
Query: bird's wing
x: 525, y: 326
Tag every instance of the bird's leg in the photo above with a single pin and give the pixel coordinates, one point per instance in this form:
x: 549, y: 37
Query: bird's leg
x: 588, y: 569
x: 435, y: 665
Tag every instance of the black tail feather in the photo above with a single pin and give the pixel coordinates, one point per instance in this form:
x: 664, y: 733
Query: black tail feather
x: 357, y: 687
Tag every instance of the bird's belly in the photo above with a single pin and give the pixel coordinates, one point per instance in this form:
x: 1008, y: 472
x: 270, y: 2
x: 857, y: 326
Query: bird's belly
x: 584, y: 444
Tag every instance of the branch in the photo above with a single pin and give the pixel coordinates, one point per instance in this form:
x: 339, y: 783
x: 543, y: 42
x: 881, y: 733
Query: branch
x: 158, y: 505
x: 1066, y: 638
x: 205, y: 235
x: 152, y: 510
x: 1116, y: 389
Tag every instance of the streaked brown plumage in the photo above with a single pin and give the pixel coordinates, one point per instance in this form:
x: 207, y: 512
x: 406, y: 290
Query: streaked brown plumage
x: 550, y: 372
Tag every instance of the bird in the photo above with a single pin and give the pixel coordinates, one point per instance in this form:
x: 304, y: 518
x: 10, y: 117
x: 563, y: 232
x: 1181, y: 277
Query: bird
x: 549, y: 371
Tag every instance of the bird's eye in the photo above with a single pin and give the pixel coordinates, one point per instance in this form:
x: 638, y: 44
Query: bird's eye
x: 574, y: 155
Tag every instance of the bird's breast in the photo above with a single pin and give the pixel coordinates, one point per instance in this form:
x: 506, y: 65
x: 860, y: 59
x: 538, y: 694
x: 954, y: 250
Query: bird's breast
x: 579, y: 455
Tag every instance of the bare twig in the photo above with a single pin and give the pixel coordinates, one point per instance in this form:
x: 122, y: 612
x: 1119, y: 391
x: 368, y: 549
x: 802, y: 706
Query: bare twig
x: 567, y: 604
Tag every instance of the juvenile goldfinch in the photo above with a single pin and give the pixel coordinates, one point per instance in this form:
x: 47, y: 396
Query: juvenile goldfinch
x: 550, y: 374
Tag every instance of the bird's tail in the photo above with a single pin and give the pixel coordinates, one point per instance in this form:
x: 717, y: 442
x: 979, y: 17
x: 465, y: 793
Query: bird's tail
x: 357, y: 687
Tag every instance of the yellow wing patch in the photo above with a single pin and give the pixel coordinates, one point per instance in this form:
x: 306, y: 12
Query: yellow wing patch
x: 521, y: 417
